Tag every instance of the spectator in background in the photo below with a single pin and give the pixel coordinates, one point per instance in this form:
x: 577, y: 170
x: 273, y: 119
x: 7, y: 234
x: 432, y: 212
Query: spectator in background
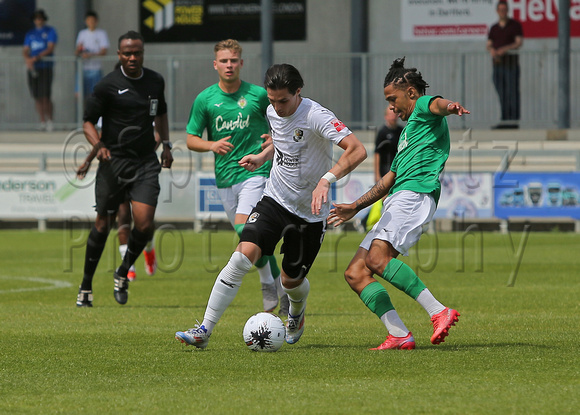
x: 386, y: 144
x: 91, y: 42
x: 506, y: 36
x: 39, y: 44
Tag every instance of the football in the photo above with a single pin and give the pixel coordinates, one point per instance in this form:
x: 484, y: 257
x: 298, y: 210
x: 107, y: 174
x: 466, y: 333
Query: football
x: 264, y: 332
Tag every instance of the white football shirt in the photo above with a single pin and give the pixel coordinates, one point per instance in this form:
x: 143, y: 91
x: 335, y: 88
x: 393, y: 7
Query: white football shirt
x: 302, y: 154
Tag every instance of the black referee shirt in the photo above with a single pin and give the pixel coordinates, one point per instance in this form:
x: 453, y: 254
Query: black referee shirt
x: 128, y: 107
x: 386, y: 144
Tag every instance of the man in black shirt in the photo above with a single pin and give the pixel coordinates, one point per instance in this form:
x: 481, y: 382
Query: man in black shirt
x: 386, y: 144
x: 504, y: 38
x: 129, y: 100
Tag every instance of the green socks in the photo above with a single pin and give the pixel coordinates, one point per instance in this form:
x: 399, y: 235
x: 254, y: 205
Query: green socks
x: 261, y: 262
x: 402, y: 276
x: 274, y: 266
x: 239, y: 228
x: 376, y: 298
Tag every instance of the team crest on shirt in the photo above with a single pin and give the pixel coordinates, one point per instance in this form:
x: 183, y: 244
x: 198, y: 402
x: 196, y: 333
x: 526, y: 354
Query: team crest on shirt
x: 338, y: 125
x: 242, y: 102
x: 403, y: 143
x: 253, y: 217
x: 298, y: 135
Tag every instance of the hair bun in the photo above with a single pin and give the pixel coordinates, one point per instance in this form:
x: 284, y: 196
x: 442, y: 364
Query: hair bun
x: 399, y: 62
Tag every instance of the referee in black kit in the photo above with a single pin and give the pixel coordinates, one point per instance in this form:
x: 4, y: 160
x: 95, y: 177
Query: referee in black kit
x: 129, y: 100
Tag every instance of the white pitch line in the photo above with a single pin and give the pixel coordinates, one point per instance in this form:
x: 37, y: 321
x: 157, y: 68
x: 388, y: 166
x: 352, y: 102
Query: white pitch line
x: 53, y: 284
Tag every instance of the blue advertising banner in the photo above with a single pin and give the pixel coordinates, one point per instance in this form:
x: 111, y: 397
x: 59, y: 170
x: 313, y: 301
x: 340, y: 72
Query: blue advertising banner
x: 209, y: 204
x: 537, y: 194
x: 15, y: 20
x: 208, y: 198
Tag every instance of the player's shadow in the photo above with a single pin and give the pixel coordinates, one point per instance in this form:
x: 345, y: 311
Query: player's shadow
x: 431, y: 347
x: 153, y: 306
x: 503, y: 345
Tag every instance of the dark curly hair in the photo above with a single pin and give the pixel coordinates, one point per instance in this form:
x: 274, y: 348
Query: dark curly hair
x: 402, y: 77
x: 283, y: 76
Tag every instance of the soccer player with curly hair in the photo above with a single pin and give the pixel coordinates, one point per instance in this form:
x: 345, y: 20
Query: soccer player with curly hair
x: 413, y: 190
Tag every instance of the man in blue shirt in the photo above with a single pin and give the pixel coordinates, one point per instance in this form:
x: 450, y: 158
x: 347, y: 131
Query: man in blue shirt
x: 39, y: 44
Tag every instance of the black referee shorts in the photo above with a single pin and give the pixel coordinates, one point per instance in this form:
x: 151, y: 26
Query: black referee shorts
x: 269, y: 222
x: 122, y: 179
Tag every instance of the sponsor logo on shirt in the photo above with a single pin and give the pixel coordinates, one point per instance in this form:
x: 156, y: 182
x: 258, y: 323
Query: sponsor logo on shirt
x: 286, y: 160
x: 338, y: 125
x: 36, y: 44
x: 403, y: 143
x: 239, y: 123
x: 298, y: 135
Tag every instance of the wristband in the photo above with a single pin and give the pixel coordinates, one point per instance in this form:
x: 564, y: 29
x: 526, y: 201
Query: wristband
x: 330, y: 177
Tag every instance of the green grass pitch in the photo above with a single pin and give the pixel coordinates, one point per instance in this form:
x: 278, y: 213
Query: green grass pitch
x: 514, y: 351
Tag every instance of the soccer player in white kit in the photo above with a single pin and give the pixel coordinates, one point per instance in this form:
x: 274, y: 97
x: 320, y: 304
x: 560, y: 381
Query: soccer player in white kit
x: 295, y: 203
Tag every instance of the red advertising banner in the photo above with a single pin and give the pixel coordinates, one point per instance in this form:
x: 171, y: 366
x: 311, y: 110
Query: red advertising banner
x: 539, y: 18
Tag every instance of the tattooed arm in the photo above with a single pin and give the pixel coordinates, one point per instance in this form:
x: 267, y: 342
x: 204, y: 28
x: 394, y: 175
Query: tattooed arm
x: 345, y: 211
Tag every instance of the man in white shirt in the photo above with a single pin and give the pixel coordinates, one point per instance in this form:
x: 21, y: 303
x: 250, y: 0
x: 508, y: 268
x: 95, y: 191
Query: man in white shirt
x: 91, y: 43
x: 295, y: 203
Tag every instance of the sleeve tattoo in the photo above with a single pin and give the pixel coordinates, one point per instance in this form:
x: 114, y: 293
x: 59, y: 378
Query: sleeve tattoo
x: 375, y: 193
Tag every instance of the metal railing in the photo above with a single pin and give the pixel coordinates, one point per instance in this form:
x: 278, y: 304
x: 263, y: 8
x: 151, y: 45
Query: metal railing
x: 67, y: 159
x: 465, y: 77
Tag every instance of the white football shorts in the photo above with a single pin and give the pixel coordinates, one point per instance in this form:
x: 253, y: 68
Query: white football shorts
x: 404, y: 215
x: 242, y: 197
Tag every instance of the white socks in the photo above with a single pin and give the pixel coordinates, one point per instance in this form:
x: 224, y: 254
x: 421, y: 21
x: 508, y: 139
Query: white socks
x: 429, y: 303
x: 265, y: 274
x: 297, y: 297
x: 279, y: 288
x: 394, y: 324
x: 123, y: 251
x: 225, y: 289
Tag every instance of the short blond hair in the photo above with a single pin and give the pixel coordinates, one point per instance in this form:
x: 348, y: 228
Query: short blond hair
x: 230, y: 44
